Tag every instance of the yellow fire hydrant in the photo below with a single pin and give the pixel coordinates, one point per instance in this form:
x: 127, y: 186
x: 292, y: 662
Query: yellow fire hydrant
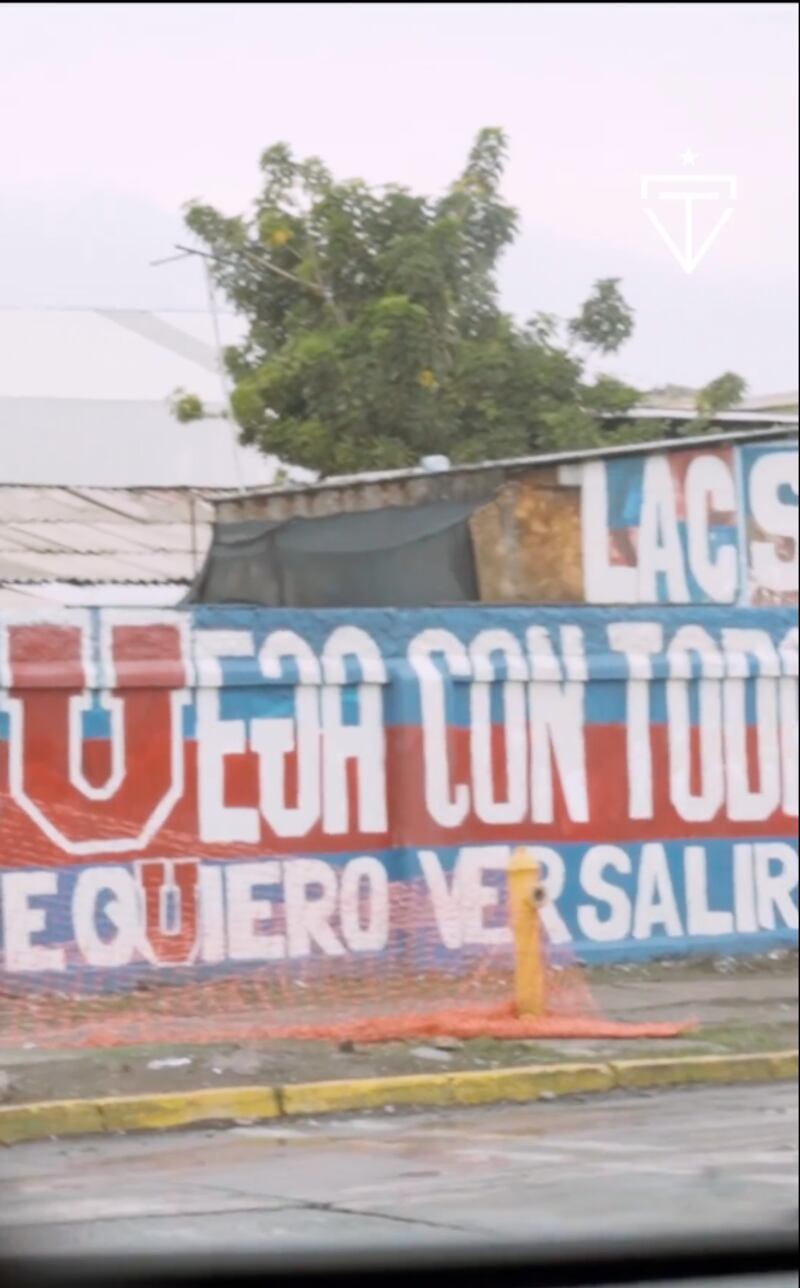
x: 526, y: 895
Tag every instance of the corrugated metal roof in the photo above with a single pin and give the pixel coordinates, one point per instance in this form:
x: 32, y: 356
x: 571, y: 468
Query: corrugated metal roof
x: 778, y: 427
x: 776, y: 402
x: 101, y: 538
x: 42, y: 597
x: 77, y: 566
x: 86, y: 545
x: 742, y: 418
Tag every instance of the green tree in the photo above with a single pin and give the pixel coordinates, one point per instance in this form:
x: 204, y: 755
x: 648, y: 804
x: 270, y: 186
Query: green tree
x: 187, y: 407
x: 605, y: 321
x: 726, y: 391
x: 375, y: 336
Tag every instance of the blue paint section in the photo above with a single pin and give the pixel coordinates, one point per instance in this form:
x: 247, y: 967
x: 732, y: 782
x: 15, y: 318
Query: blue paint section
x: 625, y: 482
x: 768, y: 517
x: 626, y: 902
x: 394, y: 632
x: 750, y: 456
x: 248, y: 695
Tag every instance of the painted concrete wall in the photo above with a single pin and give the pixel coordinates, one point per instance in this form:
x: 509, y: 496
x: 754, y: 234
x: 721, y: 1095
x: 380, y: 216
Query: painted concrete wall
x: 224, y: 789
x: 714, y: 523
x: 704, y: 526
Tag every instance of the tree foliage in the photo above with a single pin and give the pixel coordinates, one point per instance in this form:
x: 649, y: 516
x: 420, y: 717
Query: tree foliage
x: 187, y: 407
x: 375, y: 334
x: 726, y: 391
x: 605, y: 321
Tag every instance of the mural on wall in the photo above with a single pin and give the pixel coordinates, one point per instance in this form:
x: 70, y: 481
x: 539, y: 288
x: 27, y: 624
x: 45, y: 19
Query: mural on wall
x: 702, y: 526
x: 235, y: 786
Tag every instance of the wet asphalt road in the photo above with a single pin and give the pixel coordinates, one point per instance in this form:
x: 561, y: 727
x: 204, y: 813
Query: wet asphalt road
x: 672, y: 1162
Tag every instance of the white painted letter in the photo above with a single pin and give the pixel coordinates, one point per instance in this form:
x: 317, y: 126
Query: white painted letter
x: 369, y: 875
x: 776, y: 519
x: 308, y: 919
x: 604, y: 582
x: 246, y: 940
x: 638, y: 641
x: 444, y: 898
x: 447, y: 803
x: 475, y: 898
x: 707, y: 801
x: 556, y: 710
x: 709, y: 487
x: 774, y: 890
x: 745, y: 803
x: 123, y: 912
x: 700, y: 918
x: 787, y: 695
x: 275, y: 738
x: 655, y: 898
x: 744, y: 889
x: 659, y: 544
x: 515, y: 743
x: 218, y: 738
x: 364, y: 742
x: 21, y: 921
x: 617, y: 925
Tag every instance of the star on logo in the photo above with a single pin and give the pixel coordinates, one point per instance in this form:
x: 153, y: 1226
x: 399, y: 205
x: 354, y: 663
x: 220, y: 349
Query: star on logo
x: 688, y: 157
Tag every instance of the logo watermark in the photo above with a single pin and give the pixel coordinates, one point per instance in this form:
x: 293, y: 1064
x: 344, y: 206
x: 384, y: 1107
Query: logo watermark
x: 693, y: 191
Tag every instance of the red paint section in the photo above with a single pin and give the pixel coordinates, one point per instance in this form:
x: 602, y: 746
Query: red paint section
x: 148, y: 669
x: 42, y: 657
x: 173, y: 947
x: 148, y: 656
x: 409, y: 822
x: 43, y: 749
x: 679, y: 466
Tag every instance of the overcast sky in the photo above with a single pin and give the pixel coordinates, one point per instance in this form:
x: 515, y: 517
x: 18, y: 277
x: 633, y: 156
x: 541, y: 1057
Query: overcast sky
x: 113, y: 115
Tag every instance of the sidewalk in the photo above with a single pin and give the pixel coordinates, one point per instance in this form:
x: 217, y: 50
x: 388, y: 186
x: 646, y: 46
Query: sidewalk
x: 742, y: 1006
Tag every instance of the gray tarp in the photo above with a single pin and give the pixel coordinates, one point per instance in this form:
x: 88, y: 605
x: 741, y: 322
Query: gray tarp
x: 401, y: 556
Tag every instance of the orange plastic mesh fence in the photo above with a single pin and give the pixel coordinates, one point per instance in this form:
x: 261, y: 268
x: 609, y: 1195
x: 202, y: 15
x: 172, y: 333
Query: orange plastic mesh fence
x: 285, y: 947
x: 213, y: 1013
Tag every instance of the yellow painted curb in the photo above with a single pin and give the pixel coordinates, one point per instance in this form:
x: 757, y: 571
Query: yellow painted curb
x: 682, y: 1071
x: 49, y: 1118
x: 135, y: 1113
x: 139, y: 1113
x: 474, y: 1087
